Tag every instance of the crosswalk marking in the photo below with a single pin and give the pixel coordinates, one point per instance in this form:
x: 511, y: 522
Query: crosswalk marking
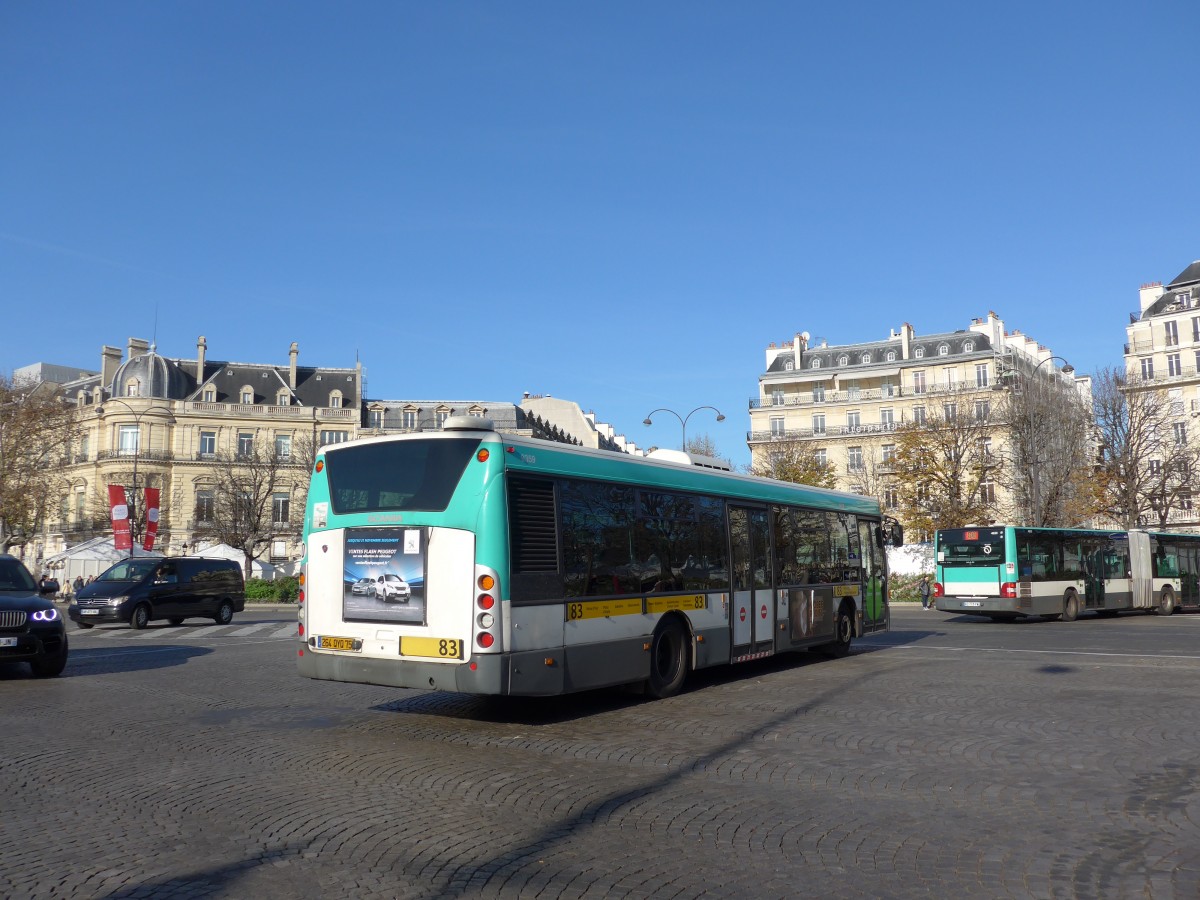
x: 265, y: 630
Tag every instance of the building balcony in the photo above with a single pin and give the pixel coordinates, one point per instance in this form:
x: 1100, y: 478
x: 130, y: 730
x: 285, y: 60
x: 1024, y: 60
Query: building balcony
x: 141, y: 455
x: 869, y: 395
x: 266, y: 410
x: 834, y: 431
x: 1135, y: 380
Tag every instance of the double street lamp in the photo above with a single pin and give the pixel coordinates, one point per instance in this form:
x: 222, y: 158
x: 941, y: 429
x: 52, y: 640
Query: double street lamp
x: 131, y: 495
x: 1035, y: 465
x: 683, y: 420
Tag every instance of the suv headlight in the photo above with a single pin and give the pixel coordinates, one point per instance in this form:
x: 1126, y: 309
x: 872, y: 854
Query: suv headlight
x: 45, y: 615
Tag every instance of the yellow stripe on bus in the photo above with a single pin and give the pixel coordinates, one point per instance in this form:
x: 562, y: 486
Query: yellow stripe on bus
x: 603, y: 609
x: 676, y: 601
x: 845, y: 590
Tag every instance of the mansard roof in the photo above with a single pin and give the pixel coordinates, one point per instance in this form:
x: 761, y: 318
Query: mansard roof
x: 956, y: 342
x: 1186, y: 278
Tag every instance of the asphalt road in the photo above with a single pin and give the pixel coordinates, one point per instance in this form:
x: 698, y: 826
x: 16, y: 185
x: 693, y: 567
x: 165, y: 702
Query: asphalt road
x: 951, y: 757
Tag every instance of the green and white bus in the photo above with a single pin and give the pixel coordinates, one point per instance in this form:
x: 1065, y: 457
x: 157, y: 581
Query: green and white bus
x: 539, y: 568
x: 1005, y: 571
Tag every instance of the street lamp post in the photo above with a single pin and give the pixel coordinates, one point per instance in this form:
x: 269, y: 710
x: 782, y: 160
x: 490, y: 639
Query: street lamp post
x: 683, y: 420
x: 137, y: 449
x: 1036, y: 479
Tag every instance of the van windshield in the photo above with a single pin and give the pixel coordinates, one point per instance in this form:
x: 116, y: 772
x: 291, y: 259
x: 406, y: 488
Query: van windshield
x: 130, y: 570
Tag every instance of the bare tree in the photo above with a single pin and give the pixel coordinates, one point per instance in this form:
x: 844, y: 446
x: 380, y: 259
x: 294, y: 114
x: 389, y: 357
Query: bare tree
x: 37, y: 434
x: 1049, y: 452
x: 703, y: 445
x: 947, y: 472
x: 245, y: 485
x: 795, y: 461
x: 1146, y: 465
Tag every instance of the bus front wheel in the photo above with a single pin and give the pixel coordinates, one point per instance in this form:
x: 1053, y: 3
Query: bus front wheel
x: 1070, y: 607
x: 1166, y: 603
x: 668, y: 659
x: 843, y: 634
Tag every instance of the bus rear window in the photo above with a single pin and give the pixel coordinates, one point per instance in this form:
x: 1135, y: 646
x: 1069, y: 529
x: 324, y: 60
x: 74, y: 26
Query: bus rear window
x: 971, y: 547
x: 396, y: 475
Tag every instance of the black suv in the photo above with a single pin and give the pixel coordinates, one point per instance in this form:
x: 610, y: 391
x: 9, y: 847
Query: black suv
x: 173, y: 588
x: 31, y: 629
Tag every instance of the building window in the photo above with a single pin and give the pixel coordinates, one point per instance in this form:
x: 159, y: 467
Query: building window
x: 985, y: 446
x: 987, y: 491
x: 968, y: 346
x: 789, y: 365
x: 983, y: 410
x: 375, y: 418
x: 853, y: 421
x: 129, y: 440
x: 950, y: 377
x: 283, y: 446
x: 83, y: 448
x: 208, y: 443
x: 777, y: 398
x: 819, y: 393
x: 1171, y: 330
x: 1154, y: 467
x: 887, y: 389
x: 888, y: 454
x: 853, y: 392
x: 204, y: 506
x: 981, y: 375
x: 819, y: 424
x: 278, y: 549
x: 441, y: 416
x: 408, y: 418
x: 1174, y: 367
x: 245, y: 445
x: 887, y: 418
x: 822, y: 456
x: 210, y: 394
x: 918, y: 382
x: 854, y: 459
x: 1196, y: 328
x: 844, y: 360
x: 281, y: 508
x: 335, y: 399
x: 1179, y: 431
x: 283, y: 398
x: 866, y: 359
x: 776, y: 426
x: 950, y: 411
x: 891, y: 497
x: 334, y: 437
x: 891, y: 356
x: 918, y: 415
x: 815, y: 364
x: 943, y: 349
x: 1147, y: 367
x: 247, y: 395
x: 133, y: 388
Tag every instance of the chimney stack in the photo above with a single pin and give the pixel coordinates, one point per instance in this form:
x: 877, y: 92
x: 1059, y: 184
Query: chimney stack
x: 292, y: 354
x: 201, y: 347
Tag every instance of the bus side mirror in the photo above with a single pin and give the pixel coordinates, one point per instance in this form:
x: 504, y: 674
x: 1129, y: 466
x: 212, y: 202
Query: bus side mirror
x: 890, y: 533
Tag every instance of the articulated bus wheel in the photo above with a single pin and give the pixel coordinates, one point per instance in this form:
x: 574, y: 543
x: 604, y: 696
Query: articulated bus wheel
x: 1070, y: 606
x: 1166, y: 603
x: 668, y: 659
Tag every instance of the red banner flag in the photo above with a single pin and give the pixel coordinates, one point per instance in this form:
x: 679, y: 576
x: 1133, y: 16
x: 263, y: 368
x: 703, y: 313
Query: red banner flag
x: 151, y: 518
x: 120, y: 517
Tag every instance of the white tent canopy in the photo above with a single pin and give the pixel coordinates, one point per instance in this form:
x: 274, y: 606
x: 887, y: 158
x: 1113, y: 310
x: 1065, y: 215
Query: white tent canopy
x: 89, y: 558
x: 224, y: 551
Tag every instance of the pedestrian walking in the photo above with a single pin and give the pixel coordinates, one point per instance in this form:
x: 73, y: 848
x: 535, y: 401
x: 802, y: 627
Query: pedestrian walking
x: 924, y: 589
x: 77, y: 584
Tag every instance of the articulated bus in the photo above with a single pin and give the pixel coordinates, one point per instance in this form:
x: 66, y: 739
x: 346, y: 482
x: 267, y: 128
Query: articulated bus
x: 528, y: 567
x: 1005, y: 571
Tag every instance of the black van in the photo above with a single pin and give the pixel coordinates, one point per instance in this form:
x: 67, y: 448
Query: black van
x: 173, y: 588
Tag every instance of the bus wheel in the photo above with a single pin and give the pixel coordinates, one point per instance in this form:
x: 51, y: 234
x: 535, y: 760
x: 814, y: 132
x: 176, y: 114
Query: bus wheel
x: 1070, y: 606
x: 1166, y: 603
x: 668, y: 659
x: 843, y: 635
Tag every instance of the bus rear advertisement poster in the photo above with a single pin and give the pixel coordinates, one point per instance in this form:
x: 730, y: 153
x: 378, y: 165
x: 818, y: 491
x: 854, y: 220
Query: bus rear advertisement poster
x: 384, y: 575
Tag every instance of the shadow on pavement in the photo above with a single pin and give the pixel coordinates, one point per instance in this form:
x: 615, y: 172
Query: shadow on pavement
x: 83, y: 663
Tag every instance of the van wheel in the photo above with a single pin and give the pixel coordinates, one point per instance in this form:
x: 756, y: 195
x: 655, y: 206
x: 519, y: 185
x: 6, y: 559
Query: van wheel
x: 84, y: 625
x: 176, y: 620
x: 668, y: 659
x: 140, y: 618
x: 1166, y: 603
x: 224, y: 613
x: 1070, y: 606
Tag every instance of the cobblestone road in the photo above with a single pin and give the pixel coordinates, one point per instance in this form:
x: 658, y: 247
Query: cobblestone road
x: 950, y: 758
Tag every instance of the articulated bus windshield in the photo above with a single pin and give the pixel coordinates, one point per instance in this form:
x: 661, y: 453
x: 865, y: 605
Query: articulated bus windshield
x: 396, y: 475
x: 971, y: 547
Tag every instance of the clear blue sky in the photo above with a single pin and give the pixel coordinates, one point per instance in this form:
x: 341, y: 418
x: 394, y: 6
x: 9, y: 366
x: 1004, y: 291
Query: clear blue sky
x: 620, y: 203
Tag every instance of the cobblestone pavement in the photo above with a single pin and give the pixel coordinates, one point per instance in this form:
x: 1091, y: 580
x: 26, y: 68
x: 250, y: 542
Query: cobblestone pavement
x: 949, y: 758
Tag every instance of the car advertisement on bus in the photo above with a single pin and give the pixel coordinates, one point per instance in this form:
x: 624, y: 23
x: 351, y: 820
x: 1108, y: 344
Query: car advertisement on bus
x: 384, y: 575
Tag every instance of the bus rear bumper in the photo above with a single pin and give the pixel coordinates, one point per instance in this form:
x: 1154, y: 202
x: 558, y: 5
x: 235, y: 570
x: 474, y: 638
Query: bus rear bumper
x: 986, y: 606
x: 500, y: 673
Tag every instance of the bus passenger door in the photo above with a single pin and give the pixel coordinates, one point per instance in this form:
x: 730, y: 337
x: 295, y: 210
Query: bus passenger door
x: 875, y: 608
x: 751, y: 613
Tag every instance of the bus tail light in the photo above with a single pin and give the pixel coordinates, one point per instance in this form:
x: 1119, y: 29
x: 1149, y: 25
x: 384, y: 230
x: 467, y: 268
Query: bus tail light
x: 1009, y: 590
x: 938, y: 590
x: 487, y: 618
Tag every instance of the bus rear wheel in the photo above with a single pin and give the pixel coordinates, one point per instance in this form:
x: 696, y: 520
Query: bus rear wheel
x: 1070, y: 606
x: 668, y: 659
x: 1166, y: 603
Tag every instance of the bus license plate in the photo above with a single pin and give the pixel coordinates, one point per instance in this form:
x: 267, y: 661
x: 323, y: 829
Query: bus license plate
x: 434, y: 648
x: 325, y: 642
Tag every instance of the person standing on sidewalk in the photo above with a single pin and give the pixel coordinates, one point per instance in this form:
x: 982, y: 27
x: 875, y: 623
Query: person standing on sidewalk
x: 924, y: 590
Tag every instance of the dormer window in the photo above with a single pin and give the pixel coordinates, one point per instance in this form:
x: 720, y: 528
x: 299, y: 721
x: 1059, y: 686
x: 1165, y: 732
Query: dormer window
x: 335, y: 399
x: 815, y: 364
x: 133, y: 388
x: 943, y: 349
x: 247, y: 395
x: 844, y: 360
x: 891, y: 356
x: 968, y: 346
x: 283, y: 398
x: 210, y: 394
x: 788, y: 366
x: 866, y: 359
x: 919, y: 353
